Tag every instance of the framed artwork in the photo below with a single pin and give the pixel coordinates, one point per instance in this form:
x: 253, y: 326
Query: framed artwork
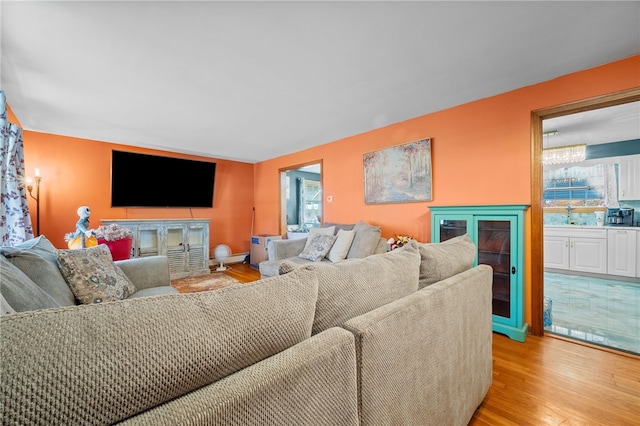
x: 399, y: 174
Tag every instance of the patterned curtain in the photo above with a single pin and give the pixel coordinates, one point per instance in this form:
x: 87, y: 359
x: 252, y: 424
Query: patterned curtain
x: 15, y: 222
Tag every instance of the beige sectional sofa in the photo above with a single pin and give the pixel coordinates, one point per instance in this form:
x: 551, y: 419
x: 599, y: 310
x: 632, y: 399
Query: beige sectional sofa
x: 346, y: 343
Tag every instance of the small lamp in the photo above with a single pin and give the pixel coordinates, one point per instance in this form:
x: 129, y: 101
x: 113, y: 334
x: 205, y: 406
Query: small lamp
x: 38, y: 178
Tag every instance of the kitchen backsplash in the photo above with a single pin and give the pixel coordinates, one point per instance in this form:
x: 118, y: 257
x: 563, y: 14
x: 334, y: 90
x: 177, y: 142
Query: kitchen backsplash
x: 589, y: 219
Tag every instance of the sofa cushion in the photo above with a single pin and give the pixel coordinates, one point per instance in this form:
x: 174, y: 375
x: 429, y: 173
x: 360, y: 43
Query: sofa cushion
x: 339, y: 226
x: 37, y: 259
x: 350, y: 288
x: 341, y: 246
x: 318, y: 247
x: 316, y: 231
x: 20, y: 292
x: 92, y: 275
x: 5, y: 308
x: 103, y: 363
x: 440, y: 261
x: 365, y: 240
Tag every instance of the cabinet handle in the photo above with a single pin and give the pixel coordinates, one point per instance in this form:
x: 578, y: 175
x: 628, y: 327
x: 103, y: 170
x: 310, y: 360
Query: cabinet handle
x: 513, y: 270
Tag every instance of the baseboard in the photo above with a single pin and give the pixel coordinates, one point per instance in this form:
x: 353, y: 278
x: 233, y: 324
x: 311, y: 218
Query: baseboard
x: 234, y: 258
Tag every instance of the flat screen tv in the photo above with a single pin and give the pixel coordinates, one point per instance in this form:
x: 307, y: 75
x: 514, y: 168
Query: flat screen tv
x: 143, y: 180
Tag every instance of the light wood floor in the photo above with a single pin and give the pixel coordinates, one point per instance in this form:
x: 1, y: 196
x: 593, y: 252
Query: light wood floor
x: 549, y: 381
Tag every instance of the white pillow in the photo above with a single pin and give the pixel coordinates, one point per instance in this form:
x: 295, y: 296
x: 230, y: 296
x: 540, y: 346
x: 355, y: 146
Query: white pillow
x: 315, y: 231
x: 341, y: 246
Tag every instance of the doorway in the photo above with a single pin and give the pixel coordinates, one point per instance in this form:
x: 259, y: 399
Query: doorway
x: 300, y: 199
x: 538, y: 189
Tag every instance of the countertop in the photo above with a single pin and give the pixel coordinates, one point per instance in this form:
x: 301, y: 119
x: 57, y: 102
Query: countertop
x: 631, y: 228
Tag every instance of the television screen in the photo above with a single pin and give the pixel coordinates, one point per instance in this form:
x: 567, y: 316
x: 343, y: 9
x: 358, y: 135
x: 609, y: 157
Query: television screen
x: 143, y: 180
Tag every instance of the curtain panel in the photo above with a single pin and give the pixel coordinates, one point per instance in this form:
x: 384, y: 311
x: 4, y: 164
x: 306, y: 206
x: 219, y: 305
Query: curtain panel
x: 15, y: 221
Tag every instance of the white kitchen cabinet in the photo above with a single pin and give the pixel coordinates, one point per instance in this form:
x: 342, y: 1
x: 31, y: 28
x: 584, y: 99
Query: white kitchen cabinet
x: 588, y: 255
x: 576, y: 249
x: 638, y: 254
x: 622, y: 252
x: 185, y: 242
x: 629, y: 177
x: 556, y: 252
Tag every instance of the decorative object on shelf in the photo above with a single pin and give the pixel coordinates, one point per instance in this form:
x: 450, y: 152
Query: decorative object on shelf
x: 222, y: 253
x: 117, y: 238
x: 398, y: 174
x: 398, y: 241
x: 83, y: 237
x: 38, y: 179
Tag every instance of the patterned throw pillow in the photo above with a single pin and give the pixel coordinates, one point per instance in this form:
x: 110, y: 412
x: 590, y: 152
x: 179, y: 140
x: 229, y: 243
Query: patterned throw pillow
x: 92, y: 275
x: 318, y: 247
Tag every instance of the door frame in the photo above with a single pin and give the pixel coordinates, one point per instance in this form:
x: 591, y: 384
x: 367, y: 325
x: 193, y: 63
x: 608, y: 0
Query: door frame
x: 537, y: 254
x: 283, y: 191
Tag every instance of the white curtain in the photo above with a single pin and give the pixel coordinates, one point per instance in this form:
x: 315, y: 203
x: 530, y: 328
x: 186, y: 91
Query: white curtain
x: 610, y: 186
x: 15, y: 222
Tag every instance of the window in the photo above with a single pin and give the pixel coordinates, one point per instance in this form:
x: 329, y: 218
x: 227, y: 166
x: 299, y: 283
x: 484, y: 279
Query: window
x: 575, y: 186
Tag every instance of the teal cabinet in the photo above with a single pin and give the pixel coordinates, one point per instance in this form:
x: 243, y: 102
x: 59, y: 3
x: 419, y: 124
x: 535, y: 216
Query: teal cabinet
x: 498, y: 232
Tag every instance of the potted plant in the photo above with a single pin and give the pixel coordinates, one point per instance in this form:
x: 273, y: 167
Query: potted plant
x: 117, y: 238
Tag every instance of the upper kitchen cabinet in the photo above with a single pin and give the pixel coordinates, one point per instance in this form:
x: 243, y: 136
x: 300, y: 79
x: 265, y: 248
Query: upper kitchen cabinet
x: 629, y: 178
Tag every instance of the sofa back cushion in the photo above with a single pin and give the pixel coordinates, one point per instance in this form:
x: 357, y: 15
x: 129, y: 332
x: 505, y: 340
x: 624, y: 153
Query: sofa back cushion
x: 19, y: 292
x: 365, y: 240
x: 440, y: 261
x: 102, y: 363
x: 37, y: 259
x: 350, y: 288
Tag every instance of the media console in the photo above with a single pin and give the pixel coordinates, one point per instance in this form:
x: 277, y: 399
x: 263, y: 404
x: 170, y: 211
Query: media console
x: 185, y: 242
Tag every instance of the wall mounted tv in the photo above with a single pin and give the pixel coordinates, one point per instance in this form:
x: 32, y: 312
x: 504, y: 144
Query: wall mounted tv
x: 143, y: 180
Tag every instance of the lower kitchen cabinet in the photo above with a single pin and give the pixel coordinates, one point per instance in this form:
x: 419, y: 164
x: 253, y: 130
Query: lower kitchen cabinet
x: 498, y: 232
x: 597, y: 250
x: 575, y: 249
x: 622, y: 248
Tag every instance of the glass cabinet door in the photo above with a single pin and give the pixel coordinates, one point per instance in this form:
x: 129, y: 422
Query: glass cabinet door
x: 452, y: 228
x: 494, y: 238
x: 148, y: 241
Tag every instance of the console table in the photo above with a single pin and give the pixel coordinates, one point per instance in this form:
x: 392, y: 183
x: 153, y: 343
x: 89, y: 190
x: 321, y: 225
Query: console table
x: 185, y: 242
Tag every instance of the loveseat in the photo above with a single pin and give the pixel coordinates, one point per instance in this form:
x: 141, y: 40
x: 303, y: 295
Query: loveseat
x: 395, y: 338
x: 330, y: 243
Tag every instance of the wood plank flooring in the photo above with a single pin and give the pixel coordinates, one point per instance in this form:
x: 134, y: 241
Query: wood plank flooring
x: 549, y: 381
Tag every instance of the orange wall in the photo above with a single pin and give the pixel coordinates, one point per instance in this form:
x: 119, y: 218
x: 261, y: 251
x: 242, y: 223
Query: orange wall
x: 76, y: 172
x: 481, y: 154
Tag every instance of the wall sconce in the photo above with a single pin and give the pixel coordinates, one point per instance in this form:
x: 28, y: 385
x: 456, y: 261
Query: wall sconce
x: 38, y: 178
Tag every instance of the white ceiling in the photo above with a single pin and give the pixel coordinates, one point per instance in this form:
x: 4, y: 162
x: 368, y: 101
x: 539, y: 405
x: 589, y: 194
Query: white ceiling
x: 612, y: 124
x: 250, y: 81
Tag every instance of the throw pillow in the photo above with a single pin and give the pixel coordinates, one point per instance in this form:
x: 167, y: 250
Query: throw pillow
x: 331, y: 230
x: 341, y: 246
x: 19, y: 292
x: 37, y: 259
x: 365, y: 241
x: 318, y: 248
x: 439, y: 261
x: 92, y: 275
